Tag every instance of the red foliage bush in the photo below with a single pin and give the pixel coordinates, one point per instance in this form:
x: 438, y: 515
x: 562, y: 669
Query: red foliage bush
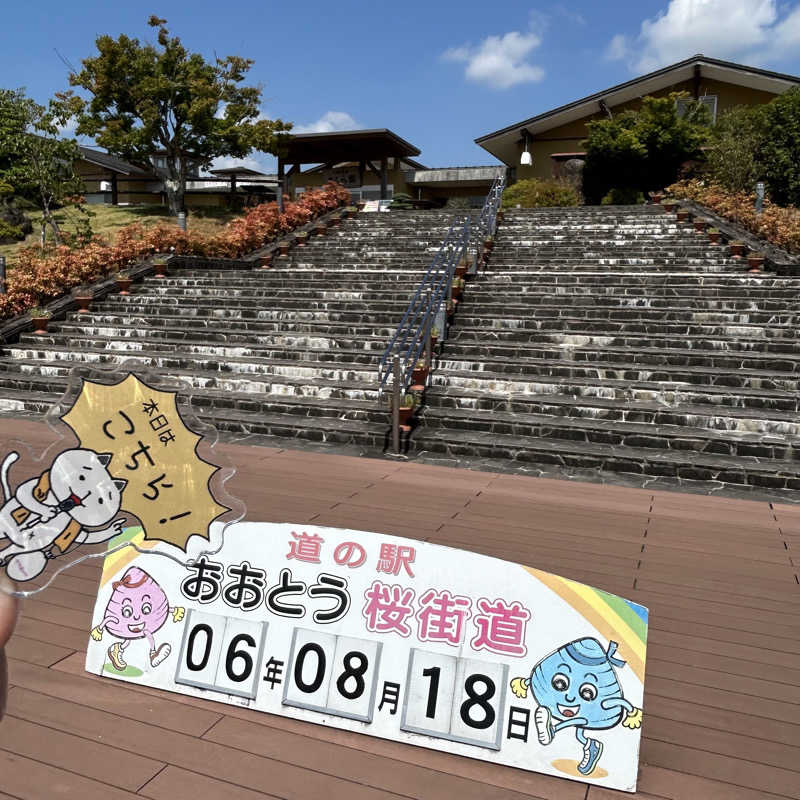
x: 776, y: 224
x: 36, y: 279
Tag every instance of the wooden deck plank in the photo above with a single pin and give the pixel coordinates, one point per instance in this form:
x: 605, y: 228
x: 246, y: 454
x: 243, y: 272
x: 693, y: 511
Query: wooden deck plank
x: 30, y: 779
x: 94, y: 759
x: 719, y: 575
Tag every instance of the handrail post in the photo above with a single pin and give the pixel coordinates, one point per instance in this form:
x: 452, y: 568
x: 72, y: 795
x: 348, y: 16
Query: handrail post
x: 428, y: 345
x: 396, y: 405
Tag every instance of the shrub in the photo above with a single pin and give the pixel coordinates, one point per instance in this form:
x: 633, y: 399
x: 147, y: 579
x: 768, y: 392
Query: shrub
x: 642, y: 149
x: 10, y: 233
x: 36, y: 278
x: 779, y: 151
x: 539, y: 193
x: 732, y: 154
x: 780, y: 226
x: 623, y: 197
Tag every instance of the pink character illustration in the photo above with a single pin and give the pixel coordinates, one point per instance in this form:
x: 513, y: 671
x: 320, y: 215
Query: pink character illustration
x: 137, y: 609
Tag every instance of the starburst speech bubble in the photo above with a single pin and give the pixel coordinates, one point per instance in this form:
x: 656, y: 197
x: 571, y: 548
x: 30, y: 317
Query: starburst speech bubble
x: 168, y: 484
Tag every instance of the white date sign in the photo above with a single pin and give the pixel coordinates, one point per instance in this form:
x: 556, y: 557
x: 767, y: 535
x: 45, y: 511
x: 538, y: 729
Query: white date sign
x: 388, y: 637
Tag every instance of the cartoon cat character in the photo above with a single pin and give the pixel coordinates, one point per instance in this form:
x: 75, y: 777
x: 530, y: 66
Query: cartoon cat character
x: 49, y: 514
x: 137, y: 609
x: 576, y: 687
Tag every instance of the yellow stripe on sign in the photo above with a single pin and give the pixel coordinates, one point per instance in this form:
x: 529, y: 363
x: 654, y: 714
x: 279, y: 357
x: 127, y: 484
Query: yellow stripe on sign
x: 600, y: 616
x: 116, y: 562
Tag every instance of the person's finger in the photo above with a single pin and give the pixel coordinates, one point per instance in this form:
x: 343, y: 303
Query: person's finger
x: 9, y: 610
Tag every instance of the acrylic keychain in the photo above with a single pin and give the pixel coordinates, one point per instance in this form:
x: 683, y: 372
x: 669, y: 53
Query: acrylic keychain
x: 134, y: 468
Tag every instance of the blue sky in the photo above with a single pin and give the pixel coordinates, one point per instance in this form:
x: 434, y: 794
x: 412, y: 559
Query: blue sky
x: 439, y: 73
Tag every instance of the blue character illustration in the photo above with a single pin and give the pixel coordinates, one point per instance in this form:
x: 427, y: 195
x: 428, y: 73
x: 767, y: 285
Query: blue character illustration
x: 576, y: 687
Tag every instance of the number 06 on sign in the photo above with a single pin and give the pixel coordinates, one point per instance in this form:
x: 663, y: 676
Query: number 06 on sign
x: 387, y: 637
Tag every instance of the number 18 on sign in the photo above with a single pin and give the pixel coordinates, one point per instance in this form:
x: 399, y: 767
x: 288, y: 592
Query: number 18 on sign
x: 387, y: 637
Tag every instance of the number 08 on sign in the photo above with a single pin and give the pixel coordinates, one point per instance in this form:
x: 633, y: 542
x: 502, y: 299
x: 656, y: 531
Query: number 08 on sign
x: 387, y: 637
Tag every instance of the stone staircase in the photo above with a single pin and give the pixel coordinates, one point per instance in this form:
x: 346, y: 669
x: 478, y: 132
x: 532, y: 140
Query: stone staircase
x: 290, y: 352
x: 615, y: 344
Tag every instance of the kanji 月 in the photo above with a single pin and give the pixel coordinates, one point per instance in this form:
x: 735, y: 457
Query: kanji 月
x: 306, y: 547
x: 392, y: 558
x: 387, y: 608
x: 501, y: 627
x: 442, y: 617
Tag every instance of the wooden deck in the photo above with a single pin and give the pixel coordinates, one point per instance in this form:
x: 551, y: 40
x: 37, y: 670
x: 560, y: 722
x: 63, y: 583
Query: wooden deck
x: 722, y: 701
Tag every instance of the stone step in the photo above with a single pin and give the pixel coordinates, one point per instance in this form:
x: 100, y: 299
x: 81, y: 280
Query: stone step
x: 299, y: 347
x: 721, y: 415
x: 757, y: 342
x: 616, y: 434
x: 55, y: 359
x: 519, y: 317
x: 585, y: 388
x: 488, y: 372
x: 52, y: 380
x: 643, y: 464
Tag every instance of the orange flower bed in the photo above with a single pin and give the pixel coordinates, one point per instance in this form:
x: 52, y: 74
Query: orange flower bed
x: 38, y: 278
x: 778, y: 225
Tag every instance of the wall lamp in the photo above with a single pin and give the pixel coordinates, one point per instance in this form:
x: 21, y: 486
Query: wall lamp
x: 526, y: 159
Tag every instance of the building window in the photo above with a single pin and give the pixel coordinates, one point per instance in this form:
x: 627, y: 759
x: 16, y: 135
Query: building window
x: 709, y: 101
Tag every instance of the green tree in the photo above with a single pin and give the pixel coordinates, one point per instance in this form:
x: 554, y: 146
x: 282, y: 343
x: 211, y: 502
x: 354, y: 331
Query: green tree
x: 643, y: 149
x: 34, y: 160
x: 161, y: 99
x: 779, y: 150
x: 732, y: 154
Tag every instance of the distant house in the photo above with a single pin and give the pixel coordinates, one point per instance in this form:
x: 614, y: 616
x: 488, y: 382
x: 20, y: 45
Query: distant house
x: 380, y: 166
x: 554, y: 136
x: 108, y: 179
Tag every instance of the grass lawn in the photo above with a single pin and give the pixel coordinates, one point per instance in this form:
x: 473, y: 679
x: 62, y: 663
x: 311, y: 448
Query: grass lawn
x: 108, y: 219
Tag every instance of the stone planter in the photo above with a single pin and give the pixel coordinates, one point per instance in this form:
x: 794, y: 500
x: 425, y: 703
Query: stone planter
x: 302, y: 240
x: 669, y: 206
x: 265, y: 262
x: 124, y: 285
x: 321, y: 229
x: 716, y: 237
x: 755, y: 262
x: 284, y: 250
x: 700, y: 225
x: 160, y: 270
x: 683, y: 215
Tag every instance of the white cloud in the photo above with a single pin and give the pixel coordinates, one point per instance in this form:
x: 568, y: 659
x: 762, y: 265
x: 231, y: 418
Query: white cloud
x: 224, y: 162
x: 500, y: 62
x: 747, y: 30
x: 328, y: 122
x: 618, y: 48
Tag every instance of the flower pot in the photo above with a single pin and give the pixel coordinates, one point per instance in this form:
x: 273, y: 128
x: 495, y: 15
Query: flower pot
x: 321, y: 229
x: 160, y: 270
x: 84, y: 302
x: 700, y: 225
x: 405, y: 414
x: 683, y: 216
x: 716, y: 238
x: 420, y: 375
x: 738, y: 249
x: 40, y: 324
x: 455, y: 292
x: 301, y: 241
x: 284, y: 250
x: 124, y: 285
x: 265, y: 262
x: 669, y: 206
x: 461, y: 270
x: 755, y: 262
x: 656, y: 198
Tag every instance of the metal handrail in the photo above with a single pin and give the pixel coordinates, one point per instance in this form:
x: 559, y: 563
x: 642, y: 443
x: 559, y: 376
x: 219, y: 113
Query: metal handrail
x: 414, y: 330
x: 487, y: 221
